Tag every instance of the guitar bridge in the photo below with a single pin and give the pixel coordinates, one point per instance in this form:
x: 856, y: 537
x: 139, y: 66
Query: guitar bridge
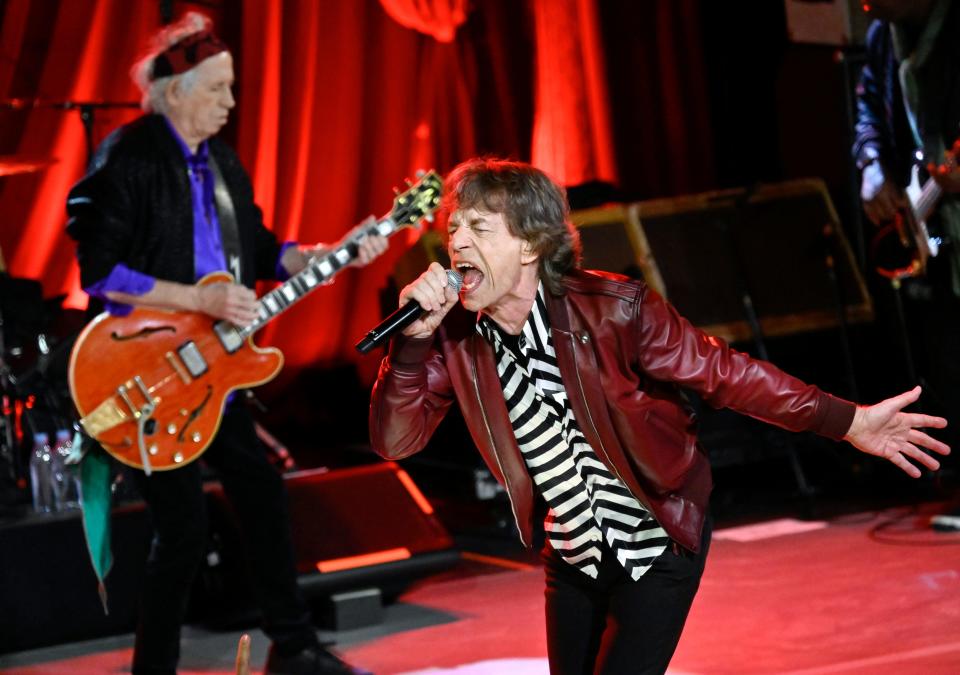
x: 110, y: 414
x: 104, y: 417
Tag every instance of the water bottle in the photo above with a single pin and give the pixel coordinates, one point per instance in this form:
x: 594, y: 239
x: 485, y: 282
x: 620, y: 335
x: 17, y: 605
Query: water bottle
x: 68, y: 482
x: 43, y: 467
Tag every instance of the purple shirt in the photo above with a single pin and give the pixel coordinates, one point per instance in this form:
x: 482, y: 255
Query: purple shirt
x: 208, y: 255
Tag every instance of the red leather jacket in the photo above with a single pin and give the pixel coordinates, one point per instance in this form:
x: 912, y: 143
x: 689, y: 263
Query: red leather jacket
x: 622, y: 352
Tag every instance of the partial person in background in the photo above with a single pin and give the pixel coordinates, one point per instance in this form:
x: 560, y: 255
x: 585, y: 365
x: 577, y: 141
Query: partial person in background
x: 570, y: 384
x: 908, y: 114
x: 149, y: 219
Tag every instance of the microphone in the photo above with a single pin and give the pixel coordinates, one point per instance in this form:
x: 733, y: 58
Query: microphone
x: 401, y: 318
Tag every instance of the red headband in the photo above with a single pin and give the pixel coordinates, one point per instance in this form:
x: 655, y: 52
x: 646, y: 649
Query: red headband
x: 183, y: 55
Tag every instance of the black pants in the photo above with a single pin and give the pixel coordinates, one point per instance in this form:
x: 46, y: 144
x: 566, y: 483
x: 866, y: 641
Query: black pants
x: 176, y: 504
x: 613, y: 625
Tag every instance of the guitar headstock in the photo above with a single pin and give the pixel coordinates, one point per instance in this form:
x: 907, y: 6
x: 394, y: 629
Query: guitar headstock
x: 419, y: 201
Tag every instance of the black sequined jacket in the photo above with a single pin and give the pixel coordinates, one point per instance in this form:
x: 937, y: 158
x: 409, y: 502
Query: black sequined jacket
x: 134, y: 206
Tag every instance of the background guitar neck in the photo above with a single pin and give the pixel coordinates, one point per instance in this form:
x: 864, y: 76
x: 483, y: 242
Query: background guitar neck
x: 928, y: 199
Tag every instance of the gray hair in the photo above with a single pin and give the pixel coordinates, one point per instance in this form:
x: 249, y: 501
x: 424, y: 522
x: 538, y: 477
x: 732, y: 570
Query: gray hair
x: 154, y: 96
x: 153, y: 91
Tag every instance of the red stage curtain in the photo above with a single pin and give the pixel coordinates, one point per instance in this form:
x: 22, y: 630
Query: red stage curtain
x: 338, y: 103
x: 571, y: 130
x: 661, y: 113
x: 438, y: 18
x: 86, y: 40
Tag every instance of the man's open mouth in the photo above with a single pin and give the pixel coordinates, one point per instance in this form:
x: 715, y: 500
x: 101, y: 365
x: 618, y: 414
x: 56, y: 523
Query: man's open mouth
x: 472, y: 277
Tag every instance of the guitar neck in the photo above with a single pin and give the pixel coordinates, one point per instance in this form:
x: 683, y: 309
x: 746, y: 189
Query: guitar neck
x: 928, y: 200
x: 318, y: 271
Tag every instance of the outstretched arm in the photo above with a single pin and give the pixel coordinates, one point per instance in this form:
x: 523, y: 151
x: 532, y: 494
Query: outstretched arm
x: 886, y: 431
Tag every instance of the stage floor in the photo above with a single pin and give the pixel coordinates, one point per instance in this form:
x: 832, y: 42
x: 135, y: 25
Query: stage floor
x: 873, y: 593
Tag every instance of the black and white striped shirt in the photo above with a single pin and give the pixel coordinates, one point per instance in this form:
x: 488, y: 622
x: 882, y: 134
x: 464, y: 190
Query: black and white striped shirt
x: 586, y: 500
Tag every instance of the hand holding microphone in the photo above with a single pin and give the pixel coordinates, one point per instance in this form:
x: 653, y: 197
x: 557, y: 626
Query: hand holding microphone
x: 423, y: 304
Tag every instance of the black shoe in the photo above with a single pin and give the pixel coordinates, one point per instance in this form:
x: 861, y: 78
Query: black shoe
x: 314, y: 660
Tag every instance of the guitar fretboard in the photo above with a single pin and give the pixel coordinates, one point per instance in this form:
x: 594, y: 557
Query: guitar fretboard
x: 928, y: 199
x: 318, y: 271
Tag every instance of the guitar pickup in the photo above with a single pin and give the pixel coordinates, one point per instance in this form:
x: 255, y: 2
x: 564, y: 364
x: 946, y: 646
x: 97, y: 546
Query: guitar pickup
x: 229, y: 336
x: 192, y: 358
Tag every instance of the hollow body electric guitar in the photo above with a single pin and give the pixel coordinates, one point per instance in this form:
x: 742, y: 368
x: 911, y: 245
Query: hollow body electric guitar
x: 150, y: 387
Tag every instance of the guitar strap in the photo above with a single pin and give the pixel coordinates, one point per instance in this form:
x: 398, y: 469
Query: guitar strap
x: 227, y: 215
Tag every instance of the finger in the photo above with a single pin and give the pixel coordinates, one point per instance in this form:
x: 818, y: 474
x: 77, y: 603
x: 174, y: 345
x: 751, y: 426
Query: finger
x: 906, y: 466
x: 920, y: 438
x: 436, y: 269
x: 901, y: 401
x: 371, y: 248
x: 918, y: 455
x: 428, y: 292
x: 379, y: 243
x: 366, y: 223
x: 919, y: 420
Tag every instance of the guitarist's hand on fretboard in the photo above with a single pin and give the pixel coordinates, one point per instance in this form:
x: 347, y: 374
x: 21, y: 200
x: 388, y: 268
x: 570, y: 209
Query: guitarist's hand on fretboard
x: 233, y: 302
x: 882, y: 198
x: 363, y: 245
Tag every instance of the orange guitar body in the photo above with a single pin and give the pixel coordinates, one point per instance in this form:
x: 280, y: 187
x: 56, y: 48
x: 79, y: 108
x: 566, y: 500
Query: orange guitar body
x: 144, y: 355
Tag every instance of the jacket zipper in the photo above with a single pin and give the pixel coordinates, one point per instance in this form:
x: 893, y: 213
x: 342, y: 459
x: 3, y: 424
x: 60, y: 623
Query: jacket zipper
x: 586, y: 405
x: 493, y: 445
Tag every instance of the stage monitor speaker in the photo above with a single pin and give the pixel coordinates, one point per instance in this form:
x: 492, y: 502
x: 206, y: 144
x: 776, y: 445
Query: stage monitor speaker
x: 780, y: 245
x: 352, y: 528
x: 352, y: 518
x: 613, y: 241
x: 48, y: 591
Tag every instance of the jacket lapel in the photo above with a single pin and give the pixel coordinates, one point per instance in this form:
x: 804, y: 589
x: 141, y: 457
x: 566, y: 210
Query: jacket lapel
x: 580, y: 372
x: 494, y: 408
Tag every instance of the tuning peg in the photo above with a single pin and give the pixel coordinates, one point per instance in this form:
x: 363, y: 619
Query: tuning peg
x: 420, y: 173
x: 408, y: 182
x: 396, y: 190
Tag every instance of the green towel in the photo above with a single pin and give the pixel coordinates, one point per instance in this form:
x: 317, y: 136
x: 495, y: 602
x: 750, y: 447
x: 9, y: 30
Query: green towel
x: 95, y: 502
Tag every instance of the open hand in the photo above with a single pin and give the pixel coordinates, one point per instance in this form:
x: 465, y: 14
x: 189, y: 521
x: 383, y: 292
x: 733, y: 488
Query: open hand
x: 884, y: 430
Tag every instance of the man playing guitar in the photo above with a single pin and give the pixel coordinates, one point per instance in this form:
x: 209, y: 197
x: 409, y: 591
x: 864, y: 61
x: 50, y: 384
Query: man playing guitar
x: 908, y: 107
x: 165, y: 203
